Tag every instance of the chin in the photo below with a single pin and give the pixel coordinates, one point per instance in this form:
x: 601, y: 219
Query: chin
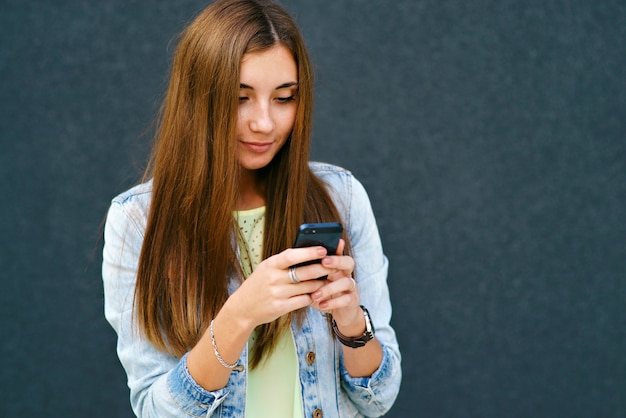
x: 254, y: 165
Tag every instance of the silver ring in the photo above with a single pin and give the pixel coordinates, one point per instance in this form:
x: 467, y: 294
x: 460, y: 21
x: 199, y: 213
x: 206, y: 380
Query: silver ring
x: 292, y: 275
x: 353, y: 284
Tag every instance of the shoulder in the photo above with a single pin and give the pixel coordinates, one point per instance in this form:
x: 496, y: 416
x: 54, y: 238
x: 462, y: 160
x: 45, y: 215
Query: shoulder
x: 338, y: 180
x: 136, y: 194
x: 136, y: 198
x: 336, y: 177
x: 345, y: 189
x: 326, y: 169
x: 132, y: 205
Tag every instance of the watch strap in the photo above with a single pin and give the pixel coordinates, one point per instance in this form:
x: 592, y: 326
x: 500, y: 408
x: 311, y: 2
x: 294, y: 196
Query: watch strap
x: 361, y: 340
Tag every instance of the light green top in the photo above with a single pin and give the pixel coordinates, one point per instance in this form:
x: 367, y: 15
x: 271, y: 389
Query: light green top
x: 274, y: 385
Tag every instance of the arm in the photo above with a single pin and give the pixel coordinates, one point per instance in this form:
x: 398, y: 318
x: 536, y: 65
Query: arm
x: 371, y: 375
x: 160, y: 385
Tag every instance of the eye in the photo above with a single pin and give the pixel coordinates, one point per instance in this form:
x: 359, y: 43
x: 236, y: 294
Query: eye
x: 242, y: 99
x: 286, y: 99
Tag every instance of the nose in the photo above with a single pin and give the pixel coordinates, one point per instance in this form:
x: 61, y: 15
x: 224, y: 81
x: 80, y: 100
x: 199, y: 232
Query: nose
x: 261, y: 120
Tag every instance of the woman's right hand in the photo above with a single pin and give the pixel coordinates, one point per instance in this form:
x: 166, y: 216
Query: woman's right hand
x: 269, y: 291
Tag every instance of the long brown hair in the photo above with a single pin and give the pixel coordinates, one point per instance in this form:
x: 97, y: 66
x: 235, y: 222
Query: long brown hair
x: 189, y: 255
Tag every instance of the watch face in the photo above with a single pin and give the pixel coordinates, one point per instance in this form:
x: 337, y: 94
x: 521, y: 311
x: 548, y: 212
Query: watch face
x: 369, y: 327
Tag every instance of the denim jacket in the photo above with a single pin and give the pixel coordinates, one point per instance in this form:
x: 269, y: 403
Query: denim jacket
x: 160, y: 384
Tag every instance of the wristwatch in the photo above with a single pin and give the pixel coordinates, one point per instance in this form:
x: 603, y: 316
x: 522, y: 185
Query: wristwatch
x: 360, y: 341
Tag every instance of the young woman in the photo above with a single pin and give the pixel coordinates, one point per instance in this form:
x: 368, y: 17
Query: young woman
x: 211, y: 316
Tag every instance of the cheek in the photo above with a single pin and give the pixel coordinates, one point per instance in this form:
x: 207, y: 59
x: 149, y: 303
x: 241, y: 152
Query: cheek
x: 241, y: 118
x: 287, y: 121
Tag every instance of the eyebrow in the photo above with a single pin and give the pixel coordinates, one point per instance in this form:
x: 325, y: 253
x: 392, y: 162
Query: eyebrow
x: 282, y: 86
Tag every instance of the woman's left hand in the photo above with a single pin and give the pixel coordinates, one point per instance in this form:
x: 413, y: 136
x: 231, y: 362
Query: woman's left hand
x: 339, y: 296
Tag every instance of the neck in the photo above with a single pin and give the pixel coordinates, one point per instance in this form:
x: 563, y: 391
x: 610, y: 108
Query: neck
x: 251, y: 190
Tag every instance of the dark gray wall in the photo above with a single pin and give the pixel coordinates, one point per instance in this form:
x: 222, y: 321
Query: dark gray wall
x: 490, y: 135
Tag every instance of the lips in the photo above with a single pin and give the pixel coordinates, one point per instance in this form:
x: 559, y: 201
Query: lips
x: 257, y: 147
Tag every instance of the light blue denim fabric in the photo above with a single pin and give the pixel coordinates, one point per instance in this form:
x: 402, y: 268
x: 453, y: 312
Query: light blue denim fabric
x: 160, y: 384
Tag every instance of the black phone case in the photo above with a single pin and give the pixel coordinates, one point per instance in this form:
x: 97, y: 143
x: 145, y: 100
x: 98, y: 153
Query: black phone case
x: 325, y: 234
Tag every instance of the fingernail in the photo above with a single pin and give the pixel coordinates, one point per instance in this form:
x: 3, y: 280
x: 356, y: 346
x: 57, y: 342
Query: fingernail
x: 327, y: 260
x: 317, y: 295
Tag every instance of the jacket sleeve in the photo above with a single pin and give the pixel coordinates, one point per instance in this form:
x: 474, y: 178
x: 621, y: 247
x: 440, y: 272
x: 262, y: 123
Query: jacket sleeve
x: 374, y: 395
x: 160, y: 384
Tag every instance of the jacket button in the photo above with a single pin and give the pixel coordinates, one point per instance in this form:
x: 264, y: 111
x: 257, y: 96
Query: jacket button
x: 310, y: 358
x: 317, y: 413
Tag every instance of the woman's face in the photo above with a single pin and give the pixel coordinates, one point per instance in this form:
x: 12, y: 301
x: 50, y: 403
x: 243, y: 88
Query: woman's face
x: 267, y: 105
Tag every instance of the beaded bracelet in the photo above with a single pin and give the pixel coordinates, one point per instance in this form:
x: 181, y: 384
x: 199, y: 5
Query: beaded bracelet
x: 217, y: 353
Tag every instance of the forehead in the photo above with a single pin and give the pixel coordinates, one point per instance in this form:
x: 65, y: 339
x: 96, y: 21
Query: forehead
x: 271, y: 67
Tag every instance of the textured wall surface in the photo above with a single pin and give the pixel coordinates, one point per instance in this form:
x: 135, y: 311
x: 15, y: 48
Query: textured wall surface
x: 491, y: 137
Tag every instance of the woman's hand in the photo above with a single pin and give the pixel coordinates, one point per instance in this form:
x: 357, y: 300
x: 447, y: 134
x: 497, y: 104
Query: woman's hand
x: 269, y: 292
x: 339, y: 296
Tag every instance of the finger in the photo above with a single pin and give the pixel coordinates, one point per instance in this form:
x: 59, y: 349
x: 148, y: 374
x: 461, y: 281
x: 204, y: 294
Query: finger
x: 304, y: 288
x: 336, y: 288
x: 298, y: 302
x: 313, y: 271
x: 339, y: 262
x: 340, y: 246
x: 279, y: 307
x: 337, y: 302
x: 293, y: 256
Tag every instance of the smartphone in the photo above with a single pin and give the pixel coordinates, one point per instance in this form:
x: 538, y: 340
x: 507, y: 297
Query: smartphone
x: 326, y: 235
